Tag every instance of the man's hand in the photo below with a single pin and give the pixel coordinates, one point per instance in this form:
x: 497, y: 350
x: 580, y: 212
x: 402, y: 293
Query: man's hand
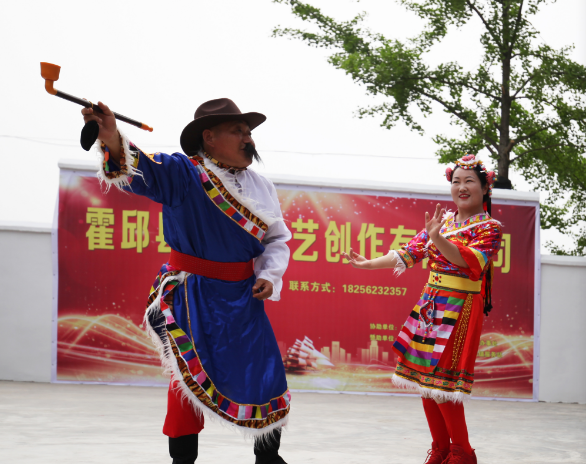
x: 262, y: 289
x: 108, y: 130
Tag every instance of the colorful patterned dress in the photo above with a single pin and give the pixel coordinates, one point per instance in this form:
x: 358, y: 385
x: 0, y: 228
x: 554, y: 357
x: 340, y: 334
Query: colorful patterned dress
x: 438, y: 343
x: 214, y: 337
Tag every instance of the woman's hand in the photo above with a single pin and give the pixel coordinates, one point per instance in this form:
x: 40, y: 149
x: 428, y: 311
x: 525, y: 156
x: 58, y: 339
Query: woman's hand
x: 433, y: 225
x: 359, y: 262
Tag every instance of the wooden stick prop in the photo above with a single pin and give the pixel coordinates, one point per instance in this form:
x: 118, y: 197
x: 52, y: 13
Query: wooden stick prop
x: 89, y: 133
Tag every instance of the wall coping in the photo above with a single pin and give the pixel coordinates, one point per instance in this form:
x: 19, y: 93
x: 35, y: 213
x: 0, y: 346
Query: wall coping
x: 15, y: 226
x: 354, y: 184
x: 557, y: 260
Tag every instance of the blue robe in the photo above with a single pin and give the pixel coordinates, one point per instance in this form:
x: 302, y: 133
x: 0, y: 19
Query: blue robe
x: 216, y: 338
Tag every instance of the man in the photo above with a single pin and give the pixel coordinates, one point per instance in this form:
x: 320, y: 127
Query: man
x: 206, y: 314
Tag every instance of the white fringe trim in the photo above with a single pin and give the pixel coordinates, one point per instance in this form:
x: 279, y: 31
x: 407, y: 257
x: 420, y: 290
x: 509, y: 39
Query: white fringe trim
x: 438, y: 395
x: 400, y: 266
x: 236, y: 190
x: 122, y: 181
x: 447, y: 214
x: 171, y: 368
x: 157, y: 303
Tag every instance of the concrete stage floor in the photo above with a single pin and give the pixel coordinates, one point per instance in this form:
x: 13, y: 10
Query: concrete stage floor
x: 60, y: 423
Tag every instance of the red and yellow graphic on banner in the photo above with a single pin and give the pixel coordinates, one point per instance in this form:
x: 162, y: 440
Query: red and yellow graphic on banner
x: 335, y: 325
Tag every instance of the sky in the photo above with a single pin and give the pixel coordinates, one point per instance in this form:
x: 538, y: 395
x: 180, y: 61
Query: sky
x: 157, y: 61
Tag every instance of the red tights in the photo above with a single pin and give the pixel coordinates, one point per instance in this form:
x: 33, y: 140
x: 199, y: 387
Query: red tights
x: 181, y: 418
x: 447, y: 421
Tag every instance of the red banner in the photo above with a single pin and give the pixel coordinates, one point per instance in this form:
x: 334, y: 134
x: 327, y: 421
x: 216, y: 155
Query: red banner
x: 340, y: 321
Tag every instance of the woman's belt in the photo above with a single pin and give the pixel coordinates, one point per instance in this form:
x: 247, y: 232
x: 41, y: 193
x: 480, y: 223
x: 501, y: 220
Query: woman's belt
x: 454, y: 282
x: 232, y: 272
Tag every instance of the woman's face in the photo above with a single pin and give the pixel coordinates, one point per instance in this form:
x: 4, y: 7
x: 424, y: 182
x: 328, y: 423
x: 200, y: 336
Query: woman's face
x: 467, y: 191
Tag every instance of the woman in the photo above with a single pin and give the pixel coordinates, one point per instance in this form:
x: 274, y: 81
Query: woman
x: 438, y: 344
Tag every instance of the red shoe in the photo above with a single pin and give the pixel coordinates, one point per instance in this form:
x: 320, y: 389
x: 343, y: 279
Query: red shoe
x: 459, y: 456
x: 436, y: 455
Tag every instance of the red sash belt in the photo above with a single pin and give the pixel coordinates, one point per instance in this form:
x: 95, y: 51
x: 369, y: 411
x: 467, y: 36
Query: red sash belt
x: 233, y: 272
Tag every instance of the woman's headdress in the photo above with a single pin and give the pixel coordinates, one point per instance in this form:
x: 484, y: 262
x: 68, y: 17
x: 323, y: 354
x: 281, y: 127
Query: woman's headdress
x: 470, y: 162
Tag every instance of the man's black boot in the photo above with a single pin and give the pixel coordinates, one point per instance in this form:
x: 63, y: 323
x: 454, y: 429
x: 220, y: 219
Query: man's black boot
x: 267, y: 449
x: 183, y: 449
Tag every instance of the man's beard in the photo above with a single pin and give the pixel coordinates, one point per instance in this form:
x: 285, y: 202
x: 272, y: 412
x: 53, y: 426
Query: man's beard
x: 251, y: 152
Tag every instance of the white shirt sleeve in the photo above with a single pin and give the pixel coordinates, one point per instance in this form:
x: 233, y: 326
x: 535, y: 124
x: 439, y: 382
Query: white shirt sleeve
x: 259, y: 195
x: 272, y: 264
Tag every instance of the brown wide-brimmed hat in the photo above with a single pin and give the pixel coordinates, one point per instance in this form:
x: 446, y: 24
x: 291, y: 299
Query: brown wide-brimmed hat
x: 212, y: 113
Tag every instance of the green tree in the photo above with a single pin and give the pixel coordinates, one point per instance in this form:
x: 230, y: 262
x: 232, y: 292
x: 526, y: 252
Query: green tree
x: 525, y: 103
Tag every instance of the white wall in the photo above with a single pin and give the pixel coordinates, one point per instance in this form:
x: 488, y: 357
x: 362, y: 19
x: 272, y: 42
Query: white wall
x: 26, y: 305
x: 563, y: 320
x: 26, y: 309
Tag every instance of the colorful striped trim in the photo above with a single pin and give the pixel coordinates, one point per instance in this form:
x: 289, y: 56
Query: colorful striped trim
x: 220, y: 201
x: 221, y: 165
x: 427, y: 330
x: 125, y: 162
x: 451, y: 227
x: 252, y: 416
x: 406, y: 257
x: 166, y: 271
x: 440, y: 379
x: 228, y: 196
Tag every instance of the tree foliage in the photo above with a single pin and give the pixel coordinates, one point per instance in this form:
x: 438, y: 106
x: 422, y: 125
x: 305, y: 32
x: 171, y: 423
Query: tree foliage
x: 525, y: 104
